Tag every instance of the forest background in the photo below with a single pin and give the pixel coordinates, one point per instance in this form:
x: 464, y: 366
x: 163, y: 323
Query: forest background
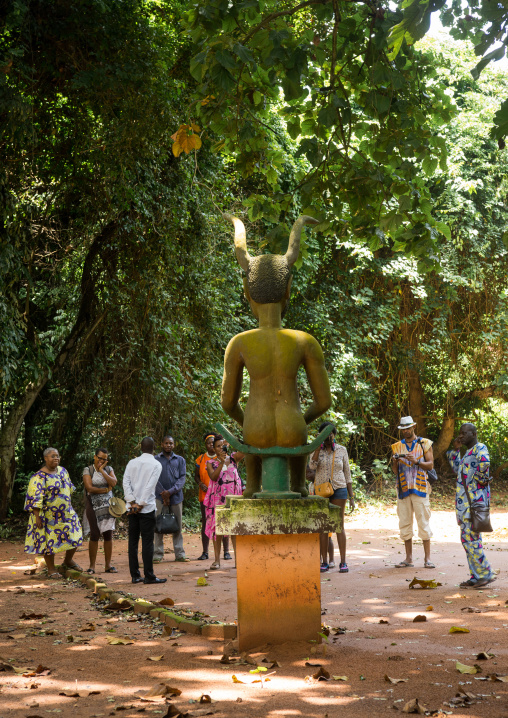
x: 128, y: 126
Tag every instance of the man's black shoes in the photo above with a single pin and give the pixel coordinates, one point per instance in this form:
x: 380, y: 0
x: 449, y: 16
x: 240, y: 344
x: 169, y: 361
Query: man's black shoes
x: 155, y: 580
x: 137, y: 580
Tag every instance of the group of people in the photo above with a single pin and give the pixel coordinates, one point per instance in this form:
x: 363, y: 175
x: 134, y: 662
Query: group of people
x: 412, y: 459
x: 152, y: 482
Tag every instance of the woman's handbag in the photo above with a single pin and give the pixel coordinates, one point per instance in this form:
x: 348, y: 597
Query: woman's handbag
x: 325, y: 490
x: 166, y: 522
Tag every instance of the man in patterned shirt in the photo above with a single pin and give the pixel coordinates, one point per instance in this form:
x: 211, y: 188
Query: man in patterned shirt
x: 472, y: 472
x: 411, y: 459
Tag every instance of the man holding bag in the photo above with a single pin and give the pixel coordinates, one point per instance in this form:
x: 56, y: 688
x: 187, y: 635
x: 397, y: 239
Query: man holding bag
x: 169, y: 492
x: 472, y: 493
x: 139, y: 481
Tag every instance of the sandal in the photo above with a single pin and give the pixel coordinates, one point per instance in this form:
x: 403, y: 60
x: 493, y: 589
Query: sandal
x: 429, y: 564
x: 484, y: 582
x: 111, y: 569
x: 215, y: 565
x: 227, y: 556
x: 404, y: 564
x: 90, y: 570
x: 203, y: 557
x: 54, y: 576
x: 343, y: 568
x: 75, y: 566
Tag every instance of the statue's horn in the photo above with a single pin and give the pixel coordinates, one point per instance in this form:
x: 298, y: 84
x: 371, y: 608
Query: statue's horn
x: 241, y: 252
x: 294, y: 238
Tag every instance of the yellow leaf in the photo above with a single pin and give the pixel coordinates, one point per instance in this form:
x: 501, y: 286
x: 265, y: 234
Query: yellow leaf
x: 184, y: 139
x: 202, y: 582
x: 424, y: 583
x: 155, y: 658
x: 196, y: 128
x: 458, y: 629
x: 462, y: 668
x: 339, y: 678
x: 430, y: 608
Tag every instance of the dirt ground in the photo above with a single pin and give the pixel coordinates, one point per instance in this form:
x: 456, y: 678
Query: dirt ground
x: 372, y: 603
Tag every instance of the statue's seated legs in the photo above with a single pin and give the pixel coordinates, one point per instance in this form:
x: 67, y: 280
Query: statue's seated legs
x: 253, y: 464
x: 297, y: 466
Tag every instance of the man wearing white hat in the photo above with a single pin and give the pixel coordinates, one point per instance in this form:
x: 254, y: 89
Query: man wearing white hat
x: 411, y: 459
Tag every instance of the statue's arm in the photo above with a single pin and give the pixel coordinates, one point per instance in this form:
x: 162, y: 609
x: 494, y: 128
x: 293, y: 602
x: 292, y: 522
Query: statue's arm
x: 232, y: 381
x: 314, y: 363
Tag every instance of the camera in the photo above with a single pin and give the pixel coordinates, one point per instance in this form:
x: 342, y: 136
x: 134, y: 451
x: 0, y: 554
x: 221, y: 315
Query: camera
x: 225, y: 448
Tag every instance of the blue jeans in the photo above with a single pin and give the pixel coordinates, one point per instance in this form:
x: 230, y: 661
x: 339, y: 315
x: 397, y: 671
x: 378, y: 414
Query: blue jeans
x: 339, y: 494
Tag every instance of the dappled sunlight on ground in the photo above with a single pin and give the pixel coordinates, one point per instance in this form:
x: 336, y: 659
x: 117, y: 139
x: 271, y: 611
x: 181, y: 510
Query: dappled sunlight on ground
x: 364, y: 650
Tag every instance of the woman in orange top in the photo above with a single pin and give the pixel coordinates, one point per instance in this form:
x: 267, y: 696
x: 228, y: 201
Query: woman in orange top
x: 202, y: 479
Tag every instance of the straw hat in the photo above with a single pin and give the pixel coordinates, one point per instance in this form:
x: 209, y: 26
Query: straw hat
x: 406, y: 422
x: 117, y: 507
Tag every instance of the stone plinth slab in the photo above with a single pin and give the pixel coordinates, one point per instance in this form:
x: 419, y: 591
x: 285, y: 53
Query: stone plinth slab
x: 279, y: 589
x: 311, y: 515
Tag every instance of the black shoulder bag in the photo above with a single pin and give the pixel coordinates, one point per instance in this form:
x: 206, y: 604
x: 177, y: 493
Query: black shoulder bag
x: 480, y: 513
x: 432, y: 476
x: 166, y: 522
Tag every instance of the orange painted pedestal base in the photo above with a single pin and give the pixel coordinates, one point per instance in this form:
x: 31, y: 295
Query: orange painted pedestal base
x: 279, y: 589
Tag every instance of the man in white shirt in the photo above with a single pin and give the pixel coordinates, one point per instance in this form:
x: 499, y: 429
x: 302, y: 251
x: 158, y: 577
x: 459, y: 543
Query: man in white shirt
x: 139, y: 481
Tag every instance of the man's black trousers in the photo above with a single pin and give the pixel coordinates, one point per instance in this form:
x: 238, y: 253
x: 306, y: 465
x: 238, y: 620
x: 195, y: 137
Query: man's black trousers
x: 141, y: 525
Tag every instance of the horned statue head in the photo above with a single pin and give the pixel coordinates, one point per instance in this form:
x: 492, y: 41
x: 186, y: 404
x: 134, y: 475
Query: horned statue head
x: 268, y: 275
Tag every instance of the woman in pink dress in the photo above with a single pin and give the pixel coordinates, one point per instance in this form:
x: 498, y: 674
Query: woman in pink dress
x: 224, y: 481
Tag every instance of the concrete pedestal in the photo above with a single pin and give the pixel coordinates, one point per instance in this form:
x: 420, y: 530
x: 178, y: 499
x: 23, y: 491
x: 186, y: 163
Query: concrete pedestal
x: 279, y: 589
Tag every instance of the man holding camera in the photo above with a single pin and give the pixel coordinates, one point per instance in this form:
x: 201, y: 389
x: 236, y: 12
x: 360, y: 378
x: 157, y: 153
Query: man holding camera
x: 169, y: 492
x: 411, y: 459
x: 139, y: 481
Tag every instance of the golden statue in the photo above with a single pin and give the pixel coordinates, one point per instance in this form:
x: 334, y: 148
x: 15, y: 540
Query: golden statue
x: 272, y: 356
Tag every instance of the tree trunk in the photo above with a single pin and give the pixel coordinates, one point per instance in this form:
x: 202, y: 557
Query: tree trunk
x: 445, y: 437
x: 11, y: 427
x: 8, y: 437
x: 416, y: 402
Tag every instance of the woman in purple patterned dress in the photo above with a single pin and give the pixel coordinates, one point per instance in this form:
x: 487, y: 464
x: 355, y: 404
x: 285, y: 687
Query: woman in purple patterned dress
x: 224, y: 481
x: 53, y: 525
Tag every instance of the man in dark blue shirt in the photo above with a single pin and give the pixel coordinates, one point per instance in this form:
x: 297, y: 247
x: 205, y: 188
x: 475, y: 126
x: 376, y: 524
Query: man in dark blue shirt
x: 169, y: 492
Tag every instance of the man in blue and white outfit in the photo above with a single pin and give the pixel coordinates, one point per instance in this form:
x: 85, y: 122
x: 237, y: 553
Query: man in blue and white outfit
x: 472, y: 476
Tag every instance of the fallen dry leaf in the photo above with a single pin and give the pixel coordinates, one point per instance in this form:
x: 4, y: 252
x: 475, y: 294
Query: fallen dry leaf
x: 31, y: 616
x: 383, y: 620
x: 394, y: 681
x: 321, y: 674
x: 4, y: 666
x: 39, y: 671
x: 471, y: 609
x: 167, y: 602
x: 16, y: 636
x: 396, y: 658
x: 339, y: 678
x: 88, y: 627
x: 420, y: 618
x: 424, y: 583
x: 458, y: 629
x: 154, y: 658
x: 202, y: 582
x: 114, y: 641
x: 414, y: 706
x: 373, y: 575
x: 118, y: 606
x: 72, y: 694
x: 484, y: 656
x: 496, y: 677
x: 462, y: 668
x: 158, y: 692
x: 205, y: 698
